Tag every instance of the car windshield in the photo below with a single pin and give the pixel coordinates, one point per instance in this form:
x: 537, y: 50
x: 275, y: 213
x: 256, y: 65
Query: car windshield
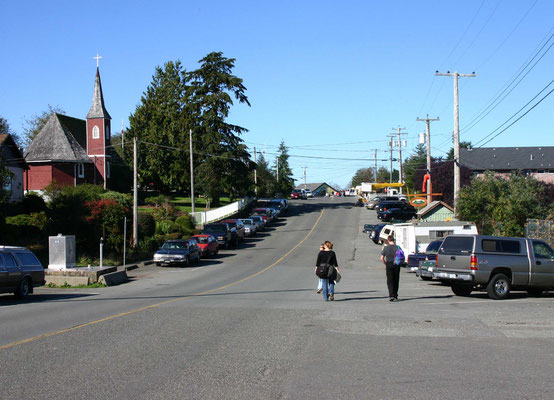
x: 214, y: 228
x: 202, y: 239
x: 175, y: 245
x: 247, y: 221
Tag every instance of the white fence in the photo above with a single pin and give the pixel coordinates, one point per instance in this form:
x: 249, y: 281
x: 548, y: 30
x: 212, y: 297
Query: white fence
x: 205, y: 217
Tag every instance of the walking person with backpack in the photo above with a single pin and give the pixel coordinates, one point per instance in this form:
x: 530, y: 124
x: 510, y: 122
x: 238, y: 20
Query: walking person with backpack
x: 393, y: 257
x: 326, y: 268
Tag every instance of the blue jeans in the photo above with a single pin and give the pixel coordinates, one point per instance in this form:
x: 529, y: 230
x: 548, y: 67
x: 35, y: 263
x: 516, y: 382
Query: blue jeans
x: 328, y: 288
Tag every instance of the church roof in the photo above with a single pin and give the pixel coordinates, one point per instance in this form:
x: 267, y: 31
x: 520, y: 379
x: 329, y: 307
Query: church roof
x: 9, y: 151
x: 98, y: 109
x: 62, y: 139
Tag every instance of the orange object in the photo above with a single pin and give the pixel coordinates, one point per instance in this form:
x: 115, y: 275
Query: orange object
x: 426, y: 177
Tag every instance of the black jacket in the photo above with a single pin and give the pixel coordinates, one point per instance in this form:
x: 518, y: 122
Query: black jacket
x: 330, y: 258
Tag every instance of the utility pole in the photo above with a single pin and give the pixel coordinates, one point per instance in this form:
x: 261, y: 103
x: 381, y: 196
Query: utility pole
x: 277, y: 162
x: 455, y: 74
x: 305, y: 178
x: 428, y: 145
x: 191, y: 173
x: 375, y: 159
x: 255, y: 174
x: 400, y: 152
x: 135, y: 195
x: 391, y: 144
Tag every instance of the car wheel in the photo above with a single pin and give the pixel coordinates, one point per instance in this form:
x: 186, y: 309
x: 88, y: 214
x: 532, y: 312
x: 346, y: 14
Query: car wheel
x: 187, y: 261
x: 460, y: 289
x: 499, y: 287
x: 158, y: 264
x: 23, y: 289
x: 534, y: 292
x: 426, y: 278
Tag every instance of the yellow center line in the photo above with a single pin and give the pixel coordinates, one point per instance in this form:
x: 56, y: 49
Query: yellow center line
x: 46, y: 335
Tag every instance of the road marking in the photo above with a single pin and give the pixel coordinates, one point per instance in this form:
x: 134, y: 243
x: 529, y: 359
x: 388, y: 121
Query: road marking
x: 46, y: 335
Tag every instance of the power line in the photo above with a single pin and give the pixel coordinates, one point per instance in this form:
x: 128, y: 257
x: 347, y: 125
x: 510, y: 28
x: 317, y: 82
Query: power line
x: 523, y: 115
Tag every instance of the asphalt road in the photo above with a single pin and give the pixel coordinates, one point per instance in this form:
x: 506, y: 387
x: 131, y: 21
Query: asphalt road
x: 249, y: 324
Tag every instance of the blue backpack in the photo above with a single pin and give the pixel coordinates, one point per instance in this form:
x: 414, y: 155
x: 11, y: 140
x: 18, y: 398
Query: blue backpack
x: 399, y: 258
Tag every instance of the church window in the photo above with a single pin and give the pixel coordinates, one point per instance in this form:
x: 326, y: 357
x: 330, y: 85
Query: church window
x: 108, y: 169
x: 95, y: 132
x: 8, y: 185
x: 108, y: 132
x: 81, y: 170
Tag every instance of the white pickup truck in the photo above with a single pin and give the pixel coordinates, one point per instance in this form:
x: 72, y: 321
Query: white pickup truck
x: 495, y: 264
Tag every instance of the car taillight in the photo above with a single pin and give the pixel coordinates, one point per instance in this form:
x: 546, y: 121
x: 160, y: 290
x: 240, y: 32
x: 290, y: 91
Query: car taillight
x: 474, y: 265
x: 384, y: 209
x: 437, y: 258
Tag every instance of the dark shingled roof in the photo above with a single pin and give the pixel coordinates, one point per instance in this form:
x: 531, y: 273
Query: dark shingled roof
x: 98, y: 109
x: 62, y: 139
x: 10, y: 152
x: 507, y: 158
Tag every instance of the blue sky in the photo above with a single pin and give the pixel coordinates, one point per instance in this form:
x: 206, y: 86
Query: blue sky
x: 332, y: 79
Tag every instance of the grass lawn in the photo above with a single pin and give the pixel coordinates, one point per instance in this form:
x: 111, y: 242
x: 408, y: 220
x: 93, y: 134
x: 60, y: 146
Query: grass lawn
x: 184, y: 204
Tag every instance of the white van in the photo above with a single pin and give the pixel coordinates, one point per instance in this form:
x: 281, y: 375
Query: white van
x: 385, y: 233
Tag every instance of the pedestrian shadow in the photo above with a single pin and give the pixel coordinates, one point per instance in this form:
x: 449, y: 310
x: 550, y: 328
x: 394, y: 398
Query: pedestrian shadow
x: 448, y: 296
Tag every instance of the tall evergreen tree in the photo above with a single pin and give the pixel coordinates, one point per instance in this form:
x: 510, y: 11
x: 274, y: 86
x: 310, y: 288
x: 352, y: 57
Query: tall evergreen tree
x: 266, y: 179
x: 283, y: 174
x: 158, y: 124
x: 225, y: 161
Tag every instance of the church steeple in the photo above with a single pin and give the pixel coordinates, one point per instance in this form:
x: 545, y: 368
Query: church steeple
x: 98, y: 109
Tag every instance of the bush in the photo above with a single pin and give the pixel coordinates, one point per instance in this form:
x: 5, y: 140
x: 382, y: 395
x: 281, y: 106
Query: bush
x: 107, y: 216
x: 126, y: 200
x: 146, y: 225
x: 173, y: 236
x: 31, y: 203
x: 165, y: 211
x: 168, y: 226
x: 39, y: 220
x: 155, y: 200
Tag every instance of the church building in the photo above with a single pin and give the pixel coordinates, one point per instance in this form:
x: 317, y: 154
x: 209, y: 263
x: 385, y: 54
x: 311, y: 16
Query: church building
x: 72, y: 151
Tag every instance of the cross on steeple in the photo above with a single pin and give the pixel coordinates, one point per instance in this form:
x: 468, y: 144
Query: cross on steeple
x: 97, y: 58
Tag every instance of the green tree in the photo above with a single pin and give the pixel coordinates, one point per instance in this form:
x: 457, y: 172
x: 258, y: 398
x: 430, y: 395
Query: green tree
x: 285, y: 181
x: 363, y: 175
x: 159, y: 126
x: 34, y: 124
x: 501, y: 206
x: 416, y: 161
x: 266, y: 179
x: 383, y: 175
x: 4, y: 126
x: 5, y: 173
x: 225, y: 161
x: 463, y: 145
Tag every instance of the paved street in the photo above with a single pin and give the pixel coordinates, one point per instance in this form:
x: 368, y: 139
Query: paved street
x: 249, y: 324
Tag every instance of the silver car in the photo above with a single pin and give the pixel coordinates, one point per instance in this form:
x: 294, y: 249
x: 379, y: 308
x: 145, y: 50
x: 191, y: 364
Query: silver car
x: 250, y: 228
x: 259, y: 221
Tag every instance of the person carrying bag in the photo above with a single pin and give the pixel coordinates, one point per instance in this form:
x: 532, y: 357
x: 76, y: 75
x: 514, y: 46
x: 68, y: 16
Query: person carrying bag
x: 327, y: 270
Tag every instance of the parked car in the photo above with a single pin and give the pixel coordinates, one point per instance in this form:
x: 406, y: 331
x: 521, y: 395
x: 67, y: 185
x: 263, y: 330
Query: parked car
x: 374, y: 234
x: 384, y: 204
x: 495, y: 264
x: 208, y: 245
x: 280, y: 205
x: 178, y: 252
x: 368, y: 228
x: 250, y: 228
x: 266, y: 213
x: 259, y: 221
x: 308, y: 193
x: 371, y: 203
x: 430, y: 253
x: 225, y: 234
x: 298, y: 194
x: 239, y: 227
x: 20, y: 271
x: 402, y: 212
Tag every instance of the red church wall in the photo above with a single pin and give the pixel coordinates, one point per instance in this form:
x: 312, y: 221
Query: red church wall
x: 37, y: 177
x: 63, y: 174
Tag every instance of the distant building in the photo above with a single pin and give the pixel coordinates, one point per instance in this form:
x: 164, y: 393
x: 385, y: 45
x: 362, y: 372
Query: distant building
x: 537, y: 162
x: 72, y: 151
x: 318, y: 189
x: 14, y: 161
